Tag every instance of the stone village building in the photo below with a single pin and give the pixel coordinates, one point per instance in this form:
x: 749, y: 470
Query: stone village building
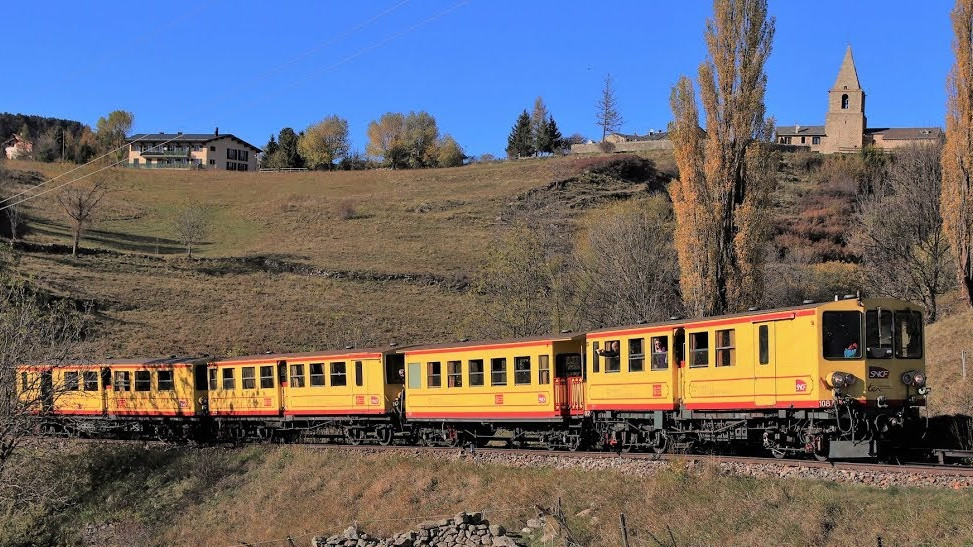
x: 845, y: 127
x: 191, y: 151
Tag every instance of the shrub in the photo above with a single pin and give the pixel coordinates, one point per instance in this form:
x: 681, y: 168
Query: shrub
x: 345, y: 209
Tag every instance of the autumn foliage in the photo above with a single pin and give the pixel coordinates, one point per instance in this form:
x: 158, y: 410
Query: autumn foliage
x: 956, y: 202
x: 725, y: 173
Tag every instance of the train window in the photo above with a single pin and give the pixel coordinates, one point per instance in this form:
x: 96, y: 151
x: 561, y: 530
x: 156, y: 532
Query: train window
x: 763, y: 336
x: 908, y: 335
x: 543, y: 369
x: 395, y: 369
x: 613, y: 356
x: 454, y: 373
x: 143, y: 380
x: 498, y: 372
x: 164, y: 378
x: 358, y: 374
x: 699, y: 349
x: 297, y: 375
x: 636, y: 355
x: 842, y: 331
x: 212, y: 379
x: 229, y: 382
x: 317, y: 374
x: 339, y: 376
x: 434, y: 374
x: 248, y: 377
x: 71, y: 381
x: 122, y: 380
x: 415, y: 369
x: 660, y: 353
x: 476, y: 372
x: 878, y: 334
x: 726, y: 348
x: 267, y: 377
x: 521, y: 371
x: 91, y: 380
x: 595, y: 357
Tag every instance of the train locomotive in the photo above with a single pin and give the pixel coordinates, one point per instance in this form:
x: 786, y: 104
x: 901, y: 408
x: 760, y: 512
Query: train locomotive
x: 843, y: 379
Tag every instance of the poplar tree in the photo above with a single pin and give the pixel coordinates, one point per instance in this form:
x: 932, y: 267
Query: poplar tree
x: 520, y: 142
x: 956, y: 199
x: 725, y: 174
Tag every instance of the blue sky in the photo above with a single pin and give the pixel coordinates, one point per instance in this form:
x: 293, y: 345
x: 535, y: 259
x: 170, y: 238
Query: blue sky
x: 253, y: 67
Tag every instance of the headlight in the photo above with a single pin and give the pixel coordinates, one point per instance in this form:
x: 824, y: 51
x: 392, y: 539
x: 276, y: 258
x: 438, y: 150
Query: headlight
x: 918, y: 379
x: 907, y: 378
x: 842, y: 379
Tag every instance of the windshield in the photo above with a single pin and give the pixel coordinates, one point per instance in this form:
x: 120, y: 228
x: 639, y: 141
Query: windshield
x: 878, y: 334
x: 908, y: 334
x: 842, y: 334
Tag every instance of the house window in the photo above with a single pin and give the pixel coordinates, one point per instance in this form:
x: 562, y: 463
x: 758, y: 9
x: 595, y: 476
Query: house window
x: 699, y: 349
x: 165, y: 382
x: 725, y: 348
x: 359, y: 376
x: 71, y: 381
x: 196, y: 148
x: 249, y: 377
x: 815, y: 140
x: 212, y: 379
x: 844, y: 101
x: 521, y: 371
x: 228, y: 381
x: 230, y: 166
x: 317, y: 374
x: 498, y: 372
x: 212, y: 149
x: 212, y: 162
x: 242, y: 155
x: 543, y: 369
x: 613, y: 356
x: 803, y: 140
x: 339, y: 377
x: 785, y: 140
x: 434, y: 374
x: 476, y: 372
x: 90, y: 380
x: 297, y: 375
x: 231, y: 153
x: 660, y: 353
x: 636, y: 355
x: 122, y: 381
x: 454, y: 374
x: 242, y: 167
x: 267, y: 377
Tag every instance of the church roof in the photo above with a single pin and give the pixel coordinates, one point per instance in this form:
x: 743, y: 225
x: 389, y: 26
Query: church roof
x: 800, y: 130
x: 906, y: 133
x: 847, y: 75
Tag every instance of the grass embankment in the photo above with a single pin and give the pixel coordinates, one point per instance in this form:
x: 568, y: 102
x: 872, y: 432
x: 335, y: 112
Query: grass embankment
x: 223, y: 497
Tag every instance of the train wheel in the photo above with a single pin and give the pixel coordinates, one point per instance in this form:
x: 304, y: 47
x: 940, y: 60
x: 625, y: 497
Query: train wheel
x: 821, y: 449
x: 352, y: 437
x: 660, y: 442
x: 385, y: 436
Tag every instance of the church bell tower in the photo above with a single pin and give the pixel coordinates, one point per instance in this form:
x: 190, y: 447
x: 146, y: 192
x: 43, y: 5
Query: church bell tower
x: 845, y: 123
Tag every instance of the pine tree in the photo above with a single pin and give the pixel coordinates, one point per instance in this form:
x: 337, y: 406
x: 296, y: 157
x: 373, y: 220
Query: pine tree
x: 956, y: 199
x: 606, y: 114
x: 520, y: 141
x: 726, y: 176
x: 555, y: 141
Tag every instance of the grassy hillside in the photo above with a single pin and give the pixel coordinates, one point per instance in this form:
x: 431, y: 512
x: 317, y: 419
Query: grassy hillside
x: 136, y: 496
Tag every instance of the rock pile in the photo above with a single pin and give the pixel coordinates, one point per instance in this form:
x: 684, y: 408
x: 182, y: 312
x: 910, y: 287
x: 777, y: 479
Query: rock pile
x: 463, y: 530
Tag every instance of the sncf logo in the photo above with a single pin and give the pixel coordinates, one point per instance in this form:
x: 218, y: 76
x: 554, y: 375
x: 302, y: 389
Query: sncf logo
x: 800, y: 386
x: 878, y: 372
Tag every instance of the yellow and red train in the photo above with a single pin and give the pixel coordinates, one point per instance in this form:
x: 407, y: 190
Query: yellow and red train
x: 841, y: 379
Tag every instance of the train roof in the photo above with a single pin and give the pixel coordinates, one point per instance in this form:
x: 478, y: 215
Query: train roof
x: 767, y: 314
x: 503, y: 342
x: 349, y: 353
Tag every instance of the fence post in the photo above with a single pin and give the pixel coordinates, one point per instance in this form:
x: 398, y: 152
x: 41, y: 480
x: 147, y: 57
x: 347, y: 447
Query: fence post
x: 621, y: 522
x: 962, y: 357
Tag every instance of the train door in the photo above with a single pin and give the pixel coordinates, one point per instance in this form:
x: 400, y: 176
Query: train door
x: 765, y: 365
x: 569, y: 383
x: 105, y: 388
x: 47, y: 390
x: 281, y: 385
x: 679, y: 362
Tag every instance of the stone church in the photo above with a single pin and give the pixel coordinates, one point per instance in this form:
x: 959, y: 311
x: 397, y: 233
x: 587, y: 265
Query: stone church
x: 845, y: 128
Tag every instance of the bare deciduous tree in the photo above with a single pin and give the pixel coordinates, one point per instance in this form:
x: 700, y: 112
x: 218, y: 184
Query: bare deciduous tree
x: 191, y: 226
x: 625, y: 265
x: 905, y: 249
x: 607, y: 116
x: 30, y: 332
x: 80, y: 204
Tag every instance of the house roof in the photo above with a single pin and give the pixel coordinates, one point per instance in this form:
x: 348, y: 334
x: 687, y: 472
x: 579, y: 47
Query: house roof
x: 906, y: 133
x: 655, y: 136
x: 187, y: 137
x: 800, y: 130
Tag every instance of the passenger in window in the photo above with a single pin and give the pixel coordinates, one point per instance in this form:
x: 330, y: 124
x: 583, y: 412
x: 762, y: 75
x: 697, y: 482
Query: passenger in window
x: 610, y: 350
x: 852, y: 350
x: 659, y: 350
